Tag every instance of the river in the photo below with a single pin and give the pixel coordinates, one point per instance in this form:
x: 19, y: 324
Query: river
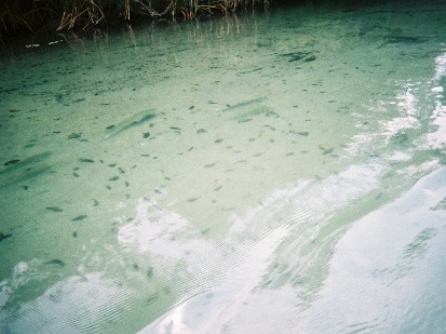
x: 270, y: 172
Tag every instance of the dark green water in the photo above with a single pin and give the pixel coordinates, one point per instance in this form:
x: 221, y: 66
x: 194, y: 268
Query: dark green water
x: 268, y: 173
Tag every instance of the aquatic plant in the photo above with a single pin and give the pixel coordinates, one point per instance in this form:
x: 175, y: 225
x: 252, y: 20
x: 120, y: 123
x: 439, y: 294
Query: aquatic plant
x: 12, y: 16
x: 19, y: 15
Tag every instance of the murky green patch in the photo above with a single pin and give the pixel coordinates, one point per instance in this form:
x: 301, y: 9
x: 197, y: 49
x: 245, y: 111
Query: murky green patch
x: 181, y: 177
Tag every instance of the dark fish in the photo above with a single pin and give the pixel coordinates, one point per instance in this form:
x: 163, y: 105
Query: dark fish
x: 54, y: 208
x: 310, y: 58
x: 303, y: 133
x: 131, y: 122
x: 403, y: 39
x: 146, y: 118
x: 56, y: 262
x: 328, y: 151
x: 175, y: 128
x: 78, y: 218
x: 152, y: 299
x: 406, y: 39
x: 11, y: 162
x: 296, y: 56
x: 86, y: 160
x: 114, y: 178
x: 22, y: 174
x: 205, y: 231
x: 250, y: 71
x: 4, y: 236
x: 245, y: 103
x: 75, y: 135
x: 150, y: 272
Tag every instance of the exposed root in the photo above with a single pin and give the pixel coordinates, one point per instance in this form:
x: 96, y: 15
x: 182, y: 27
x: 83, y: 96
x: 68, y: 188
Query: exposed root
x: 87, y: 14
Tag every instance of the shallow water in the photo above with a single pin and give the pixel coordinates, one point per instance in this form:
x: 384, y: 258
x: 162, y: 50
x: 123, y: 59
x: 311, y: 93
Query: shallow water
x: 275, y: 172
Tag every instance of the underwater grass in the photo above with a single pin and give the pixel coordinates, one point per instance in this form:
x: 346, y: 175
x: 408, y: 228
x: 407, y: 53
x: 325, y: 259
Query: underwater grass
x: 18, y: 16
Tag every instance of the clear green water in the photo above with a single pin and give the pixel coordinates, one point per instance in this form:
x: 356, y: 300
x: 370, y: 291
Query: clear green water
x: 265, y: 173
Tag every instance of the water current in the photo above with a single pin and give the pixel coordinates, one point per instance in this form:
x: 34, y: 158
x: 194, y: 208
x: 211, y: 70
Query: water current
x: 278, y: 172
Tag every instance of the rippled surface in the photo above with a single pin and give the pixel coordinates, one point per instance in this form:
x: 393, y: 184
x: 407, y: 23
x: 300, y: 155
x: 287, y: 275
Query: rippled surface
x: 267, y: 173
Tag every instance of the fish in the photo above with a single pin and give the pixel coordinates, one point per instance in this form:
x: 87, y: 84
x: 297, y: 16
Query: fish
x: 56, y: 262
x: 150, y: 272
x: 24, y: 175
x: 245, y: 103
x: 11, y: 162
x: 301, y: 133
x: 25, y: 163
x: 133, y: 121
x: 75, y: 135
x: 78, y: 218
x: 4, y: 236
x: 403, y: 39
x: 250, y: 113
x: 328, y: 151
x: 299, y: 55
x: 54, y: 209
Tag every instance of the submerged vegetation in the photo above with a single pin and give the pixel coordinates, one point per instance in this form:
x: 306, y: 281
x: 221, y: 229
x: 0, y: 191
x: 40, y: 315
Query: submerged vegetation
x: 27, y: 15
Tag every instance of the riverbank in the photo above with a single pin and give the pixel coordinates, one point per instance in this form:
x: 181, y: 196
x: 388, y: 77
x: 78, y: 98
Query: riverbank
x: 24, y: 18
x: 18, y: 18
